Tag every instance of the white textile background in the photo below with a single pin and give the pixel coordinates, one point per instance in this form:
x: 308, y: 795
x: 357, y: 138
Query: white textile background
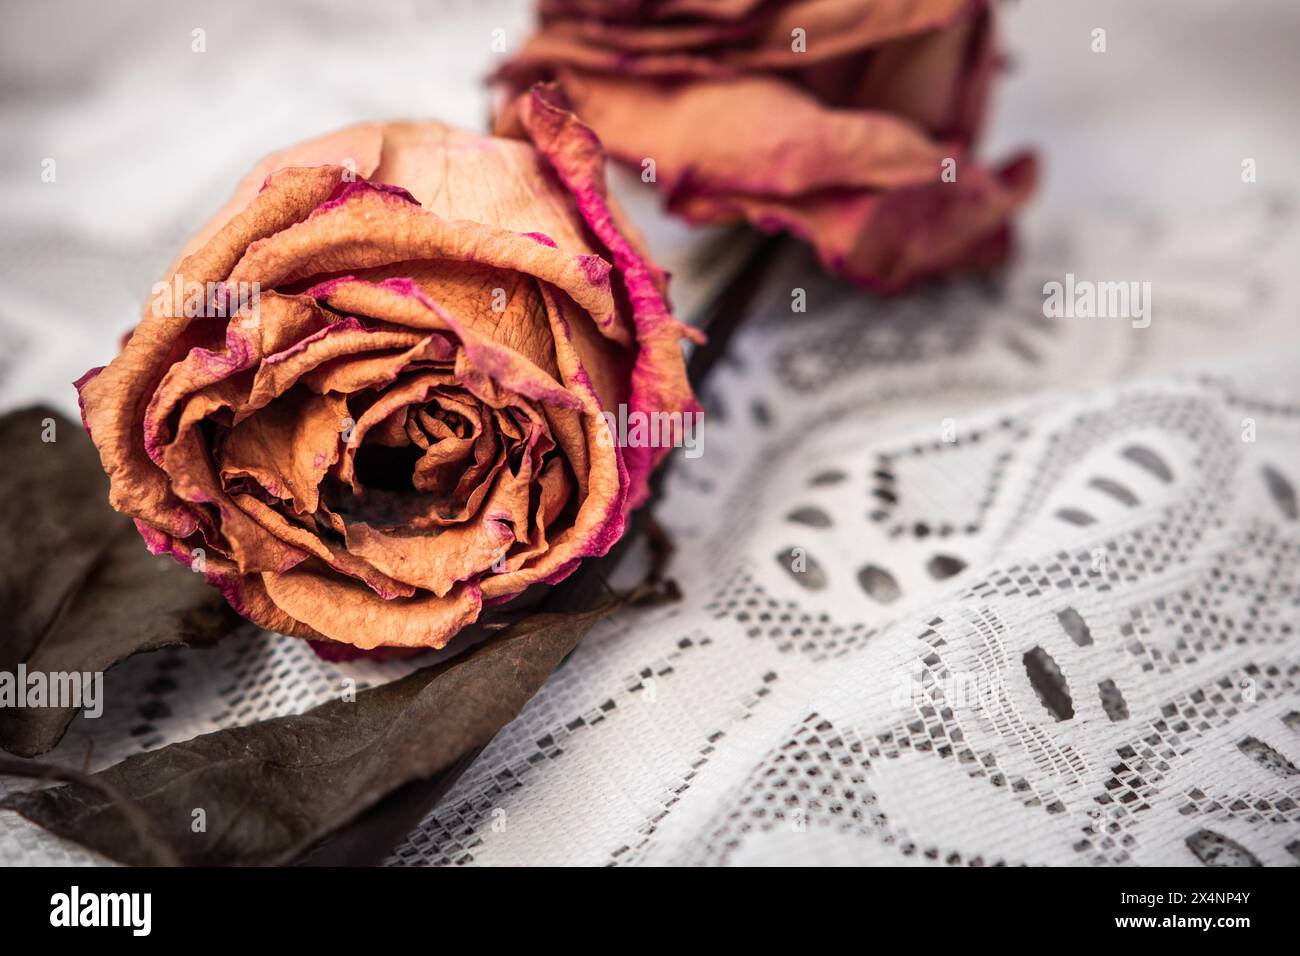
x: 1048, y: 593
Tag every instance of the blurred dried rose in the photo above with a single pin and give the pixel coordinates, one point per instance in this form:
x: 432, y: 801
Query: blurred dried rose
x: 829, y: 119
x: 406, y: 424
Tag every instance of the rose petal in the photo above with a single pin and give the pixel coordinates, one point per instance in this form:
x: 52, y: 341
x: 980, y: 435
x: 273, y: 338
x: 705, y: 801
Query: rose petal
x: 311, y: 543
x: 659, y: 377
x: 352, y: 614
x: 372, y: 228
x: 793, y: 145
x: 289, y: 446
x: 887, y: 241
x: 343, y: 340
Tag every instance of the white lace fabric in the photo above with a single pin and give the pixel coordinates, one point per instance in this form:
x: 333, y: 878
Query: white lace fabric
x: 962, y: 584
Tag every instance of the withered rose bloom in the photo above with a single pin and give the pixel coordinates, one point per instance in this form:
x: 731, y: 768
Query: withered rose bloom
x: 369, y: 400
x: 848, y: 123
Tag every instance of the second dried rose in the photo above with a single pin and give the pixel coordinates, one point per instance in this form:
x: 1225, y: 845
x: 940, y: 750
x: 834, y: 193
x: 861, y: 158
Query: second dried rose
x: 848, y: 123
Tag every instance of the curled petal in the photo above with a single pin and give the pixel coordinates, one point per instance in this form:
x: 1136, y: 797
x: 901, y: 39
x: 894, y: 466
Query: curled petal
x: 887, y: 241
x: 659, y: 382
x: 289, y: 448
x: 373, y: 228
x: 350, y: 613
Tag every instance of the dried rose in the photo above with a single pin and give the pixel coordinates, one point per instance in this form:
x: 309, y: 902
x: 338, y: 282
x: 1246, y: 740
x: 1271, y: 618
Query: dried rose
x: 369, y: 400
x: 845, y: 122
